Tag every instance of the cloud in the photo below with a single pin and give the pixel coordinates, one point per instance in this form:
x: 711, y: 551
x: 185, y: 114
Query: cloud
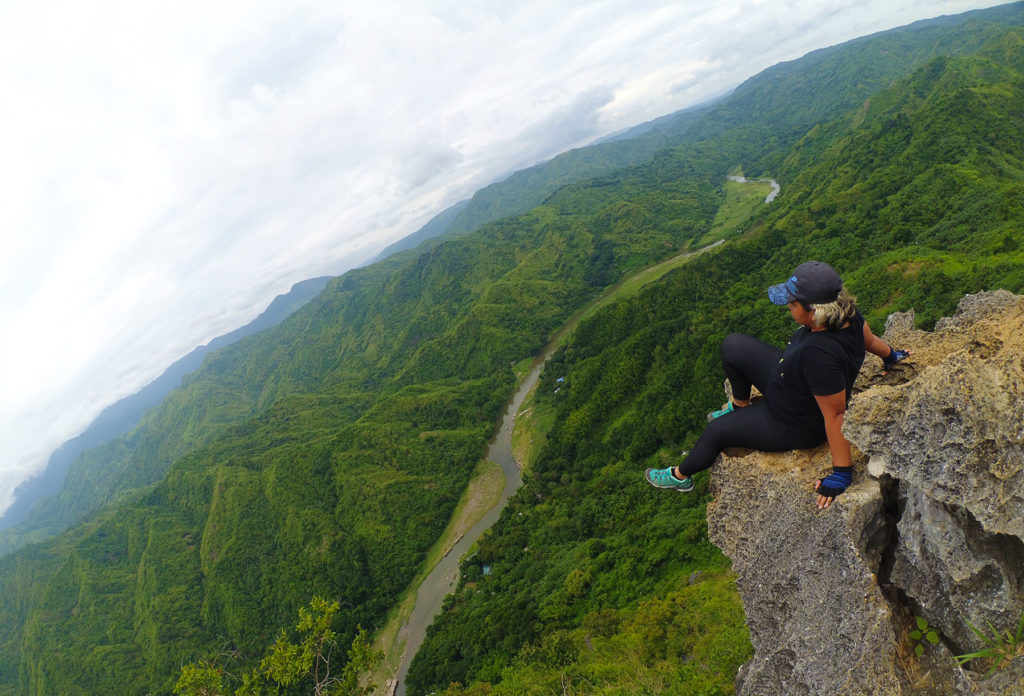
x: 423, y: 161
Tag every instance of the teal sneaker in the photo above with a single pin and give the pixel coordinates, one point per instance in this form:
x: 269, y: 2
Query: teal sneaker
x: 663, y: 478
x: 721, y: 412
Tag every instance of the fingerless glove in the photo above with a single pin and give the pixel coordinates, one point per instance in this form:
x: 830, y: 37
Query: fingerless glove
x: 836, y: 482
x: 895, y: 355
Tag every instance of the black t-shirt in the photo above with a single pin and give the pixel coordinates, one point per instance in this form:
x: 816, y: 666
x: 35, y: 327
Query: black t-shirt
x: 815, y: 362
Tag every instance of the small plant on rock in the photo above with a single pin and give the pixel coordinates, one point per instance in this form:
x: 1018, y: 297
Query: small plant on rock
x: 1001, y: 646
x: 921, y: 634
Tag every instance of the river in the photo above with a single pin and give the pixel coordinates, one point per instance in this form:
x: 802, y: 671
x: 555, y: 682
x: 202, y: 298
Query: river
x: 445, y: 575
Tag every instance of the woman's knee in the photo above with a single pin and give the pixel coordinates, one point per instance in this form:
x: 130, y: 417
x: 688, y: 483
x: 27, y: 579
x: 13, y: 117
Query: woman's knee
x: 721, y: 433
x: 733, y: 346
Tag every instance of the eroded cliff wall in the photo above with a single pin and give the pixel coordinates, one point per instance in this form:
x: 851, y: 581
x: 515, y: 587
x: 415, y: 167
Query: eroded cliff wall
x: 933, y: 526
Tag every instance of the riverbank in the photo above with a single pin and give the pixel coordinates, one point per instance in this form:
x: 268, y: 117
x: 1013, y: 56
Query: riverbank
x: 405, y: 630
x: 481, y: 495
x: 742, y: 198
x: 771, y: 182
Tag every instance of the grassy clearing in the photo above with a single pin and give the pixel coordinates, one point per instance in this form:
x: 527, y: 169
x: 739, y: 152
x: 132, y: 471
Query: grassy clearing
x: 522, y: 368
x: 482, y: 493
x: 532, y: 424
x: 740, y: 202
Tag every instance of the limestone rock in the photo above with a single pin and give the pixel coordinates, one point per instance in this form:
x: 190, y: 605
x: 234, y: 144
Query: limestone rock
x: 932, y: 527
x: 818, y: 620
x: 955, y: 430
x: 953, y: 436
x: 977, y: 308
x: 956, y: 572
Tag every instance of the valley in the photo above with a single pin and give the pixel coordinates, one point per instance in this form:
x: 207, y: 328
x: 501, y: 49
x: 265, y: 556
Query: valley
x: 444, y: 573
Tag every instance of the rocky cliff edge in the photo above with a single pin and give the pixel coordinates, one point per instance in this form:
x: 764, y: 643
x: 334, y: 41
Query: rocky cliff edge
x: 932, y: 528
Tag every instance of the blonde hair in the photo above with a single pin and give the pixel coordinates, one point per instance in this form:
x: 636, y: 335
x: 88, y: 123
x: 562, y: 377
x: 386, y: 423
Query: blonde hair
x: 832, y: 315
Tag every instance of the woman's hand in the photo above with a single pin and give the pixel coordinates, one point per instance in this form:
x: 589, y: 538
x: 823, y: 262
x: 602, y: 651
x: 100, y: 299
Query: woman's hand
x: 833, y: 409
x: 894, y: 356
x: 823, y: 501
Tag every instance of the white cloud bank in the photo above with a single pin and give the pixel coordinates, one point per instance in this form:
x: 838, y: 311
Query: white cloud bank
x: 169, y: 167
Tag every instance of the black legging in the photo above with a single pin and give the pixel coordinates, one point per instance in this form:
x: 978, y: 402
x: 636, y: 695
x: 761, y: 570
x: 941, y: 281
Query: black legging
x: 747, y: 361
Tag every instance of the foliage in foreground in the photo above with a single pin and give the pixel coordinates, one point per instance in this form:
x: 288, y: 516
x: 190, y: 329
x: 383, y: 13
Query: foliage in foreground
x: 303, y: 666
x: 1000, y: 648
x: 688, y: 639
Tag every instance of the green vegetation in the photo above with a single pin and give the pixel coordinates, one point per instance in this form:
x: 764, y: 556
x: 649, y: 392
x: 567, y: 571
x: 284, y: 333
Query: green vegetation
x: 530, y: 187
x: 533, y: 422
x: 921, y: 634
x: 293, y: 667
x: 739, y: 202
x: 537, y: 417
x: 688, y: 640
x: 325, y: 457
x: 1000, y: 646
x: 481, y: 495
x: 877, y: 200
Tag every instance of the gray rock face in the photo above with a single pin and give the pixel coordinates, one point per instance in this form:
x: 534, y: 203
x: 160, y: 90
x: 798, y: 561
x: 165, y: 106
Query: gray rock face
x: 958, y: 573
x: 955, y: 431
x: 808, y: 580
x: 936, y: 530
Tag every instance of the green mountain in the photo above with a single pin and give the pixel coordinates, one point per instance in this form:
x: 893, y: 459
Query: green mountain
x: 917, y: 198
x: 824, y: 84
x: 528, y: 188
x: 30, y: 510
x: 325, y: 455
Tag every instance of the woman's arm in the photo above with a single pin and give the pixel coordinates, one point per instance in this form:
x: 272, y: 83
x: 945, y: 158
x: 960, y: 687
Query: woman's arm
x: 833, y: 409
x: 873, y: 344
x: 889, y: 355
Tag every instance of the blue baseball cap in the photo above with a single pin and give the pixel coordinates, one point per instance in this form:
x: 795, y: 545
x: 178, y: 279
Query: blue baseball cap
x: 813, y: 282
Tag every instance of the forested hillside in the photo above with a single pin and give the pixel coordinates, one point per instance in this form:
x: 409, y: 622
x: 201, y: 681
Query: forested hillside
x: 324, y: 456
x: 823, y: 84
x: 32, y: 511
x: 917, y: 198
x: 761, y: 120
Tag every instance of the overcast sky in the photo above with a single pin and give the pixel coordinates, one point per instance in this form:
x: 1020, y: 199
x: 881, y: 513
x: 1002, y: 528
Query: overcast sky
x: 167, y: 168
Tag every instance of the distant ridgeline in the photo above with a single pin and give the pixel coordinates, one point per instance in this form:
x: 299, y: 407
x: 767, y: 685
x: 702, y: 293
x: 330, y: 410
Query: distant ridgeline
x: 121, y: 417
x: 325, y: 455
x: 530, y: 187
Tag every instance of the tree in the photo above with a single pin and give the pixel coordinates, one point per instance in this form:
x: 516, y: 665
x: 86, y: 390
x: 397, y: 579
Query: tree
x: 291, y: 667
x: 203, y: 679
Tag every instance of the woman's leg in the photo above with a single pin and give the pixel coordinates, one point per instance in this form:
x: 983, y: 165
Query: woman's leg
x: 753, y: 427
x: 748, y: 361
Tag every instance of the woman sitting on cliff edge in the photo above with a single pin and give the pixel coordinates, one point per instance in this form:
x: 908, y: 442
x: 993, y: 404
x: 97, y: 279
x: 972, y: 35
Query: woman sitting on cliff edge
x: 806, y: 385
